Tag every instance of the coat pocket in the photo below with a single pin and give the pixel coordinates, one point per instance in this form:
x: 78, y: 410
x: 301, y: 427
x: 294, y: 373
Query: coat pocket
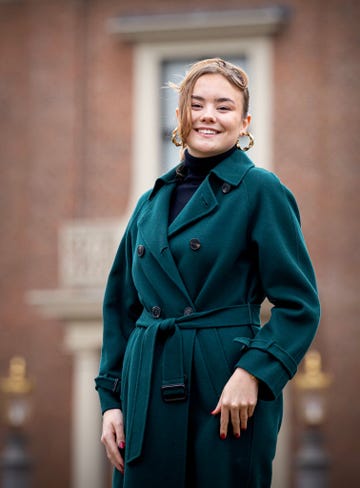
x: 228, y: 342
x: 217, y: 353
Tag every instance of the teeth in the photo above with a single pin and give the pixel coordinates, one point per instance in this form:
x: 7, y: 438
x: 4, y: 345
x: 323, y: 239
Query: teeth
x: 207, y: 131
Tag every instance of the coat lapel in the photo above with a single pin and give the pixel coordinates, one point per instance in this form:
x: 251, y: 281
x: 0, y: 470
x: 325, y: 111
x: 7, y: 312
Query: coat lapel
x: 201, y: 204
x: 153, y: 228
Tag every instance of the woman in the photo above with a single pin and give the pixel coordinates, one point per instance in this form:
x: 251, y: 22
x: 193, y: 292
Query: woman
x: 190, y: 384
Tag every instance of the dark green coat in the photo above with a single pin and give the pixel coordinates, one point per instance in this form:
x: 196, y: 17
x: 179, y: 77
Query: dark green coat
x: 181, y: 311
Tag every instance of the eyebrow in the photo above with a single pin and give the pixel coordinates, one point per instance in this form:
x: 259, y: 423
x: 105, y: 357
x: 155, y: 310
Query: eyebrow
x: 220, y: 99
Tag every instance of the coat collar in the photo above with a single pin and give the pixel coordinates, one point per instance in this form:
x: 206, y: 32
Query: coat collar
x: 231, y: 170
x: 169, y: 177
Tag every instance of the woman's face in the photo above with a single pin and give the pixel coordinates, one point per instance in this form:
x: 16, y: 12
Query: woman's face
x: 216, y: 115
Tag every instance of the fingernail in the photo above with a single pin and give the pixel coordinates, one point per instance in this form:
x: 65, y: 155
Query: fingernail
x: 237, y: 435
x: 222, y: 436
x: 213, y: 412
x: 122, y: 445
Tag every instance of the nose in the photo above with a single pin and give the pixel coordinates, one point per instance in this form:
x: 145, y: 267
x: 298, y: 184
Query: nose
x: 208, y: 115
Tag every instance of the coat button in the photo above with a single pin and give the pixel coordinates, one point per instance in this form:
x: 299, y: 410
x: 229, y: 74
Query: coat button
x: 195, y: 244
x: 140, y: 250
x: 188, y: 310
x: 156, y: 312
x: 226, y: 188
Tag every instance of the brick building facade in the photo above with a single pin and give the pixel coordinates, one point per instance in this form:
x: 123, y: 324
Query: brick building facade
x: 71, y: 134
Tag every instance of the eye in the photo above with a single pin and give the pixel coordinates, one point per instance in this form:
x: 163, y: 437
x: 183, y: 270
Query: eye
x: 195, y: 106
x: 224, y: 108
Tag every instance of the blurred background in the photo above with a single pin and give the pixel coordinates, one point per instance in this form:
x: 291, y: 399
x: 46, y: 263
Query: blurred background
x: 84, y: 130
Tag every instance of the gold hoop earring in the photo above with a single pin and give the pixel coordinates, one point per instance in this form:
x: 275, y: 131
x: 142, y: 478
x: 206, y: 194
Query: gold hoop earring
x: 251, y: 141
x: 175, y: 138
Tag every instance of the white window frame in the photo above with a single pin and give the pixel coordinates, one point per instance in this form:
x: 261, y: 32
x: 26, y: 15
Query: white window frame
x: 148, y: 59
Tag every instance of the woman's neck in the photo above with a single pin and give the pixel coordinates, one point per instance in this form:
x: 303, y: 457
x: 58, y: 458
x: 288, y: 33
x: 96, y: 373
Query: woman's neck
x: 202, y: 166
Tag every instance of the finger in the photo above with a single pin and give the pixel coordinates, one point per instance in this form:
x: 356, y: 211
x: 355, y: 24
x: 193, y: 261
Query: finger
x: 235, y: 420
x: 109, y: 440
x: 119, y: 434
x: 217, y: 409
x: 244, y: 418
x: 224, y: 422
x: 114, y: 456
x: 251, y: 410
x: 118, y: 454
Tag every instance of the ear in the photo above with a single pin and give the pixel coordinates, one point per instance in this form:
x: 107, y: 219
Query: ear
x: 245, y: 124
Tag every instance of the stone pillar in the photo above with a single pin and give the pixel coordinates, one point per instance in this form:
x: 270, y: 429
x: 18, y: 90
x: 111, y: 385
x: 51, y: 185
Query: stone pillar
x: 282, y: 461
x: 80, y: 311
x: 83, y: 341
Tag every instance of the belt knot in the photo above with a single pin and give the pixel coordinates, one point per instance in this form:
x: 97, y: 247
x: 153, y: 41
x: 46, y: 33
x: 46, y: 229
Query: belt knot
x: 167, y: 327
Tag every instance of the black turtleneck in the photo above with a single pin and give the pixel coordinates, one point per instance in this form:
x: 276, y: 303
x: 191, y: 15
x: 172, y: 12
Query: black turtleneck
x: 195, y: 171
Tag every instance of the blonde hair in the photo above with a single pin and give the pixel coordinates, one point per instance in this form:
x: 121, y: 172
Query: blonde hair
x: 235, y: 75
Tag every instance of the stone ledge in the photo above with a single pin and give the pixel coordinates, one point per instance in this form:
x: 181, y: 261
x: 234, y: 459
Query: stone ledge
x: 200, y: 24
x: 68, y: 304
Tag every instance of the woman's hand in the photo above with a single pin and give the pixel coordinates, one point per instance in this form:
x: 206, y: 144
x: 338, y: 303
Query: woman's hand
x: 113, y: 437
x: 237, y: 402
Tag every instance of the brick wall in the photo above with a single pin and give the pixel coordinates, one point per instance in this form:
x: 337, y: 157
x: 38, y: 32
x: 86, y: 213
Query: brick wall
x: 65, y: 138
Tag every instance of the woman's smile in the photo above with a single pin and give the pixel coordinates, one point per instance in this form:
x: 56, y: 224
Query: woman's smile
x: 208, y: 132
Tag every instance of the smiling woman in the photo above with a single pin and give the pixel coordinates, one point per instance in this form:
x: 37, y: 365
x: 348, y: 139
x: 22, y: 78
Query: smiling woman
x: 187, y: 378
x: 213, y: 98
x: 171, y: 72
x: 216, y: 120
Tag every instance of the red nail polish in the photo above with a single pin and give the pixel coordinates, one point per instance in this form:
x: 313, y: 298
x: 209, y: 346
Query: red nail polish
x: 122, y: 445
x: 237, y: 435
x: 222, y: 436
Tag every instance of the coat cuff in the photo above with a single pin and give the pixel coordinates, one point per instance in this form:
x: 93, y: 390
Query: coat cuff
x: 109, y: 392
x: 108, y: 400
x: 268, y: 364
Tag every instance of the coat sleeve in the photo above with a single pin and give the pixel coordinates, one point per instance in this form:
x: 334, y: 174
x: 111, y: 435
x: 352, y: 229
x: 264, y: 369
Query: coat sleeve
x: 287, y: 279
x: 121, y: 309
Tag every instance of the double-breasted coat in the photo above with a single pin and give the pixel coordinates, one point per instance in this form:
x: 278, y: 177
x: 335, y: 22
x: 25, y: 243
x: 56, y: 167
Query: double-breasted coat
x: 181, y: 312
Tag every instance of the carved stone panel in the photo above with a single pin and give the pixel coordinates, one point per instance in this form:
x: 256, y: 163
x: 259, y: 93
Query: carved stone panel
x: 86, y: 251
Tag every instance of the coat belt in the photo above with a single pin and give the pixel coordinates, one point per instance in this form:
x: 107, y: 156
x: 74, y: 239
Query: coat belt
x: 173, y: 386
